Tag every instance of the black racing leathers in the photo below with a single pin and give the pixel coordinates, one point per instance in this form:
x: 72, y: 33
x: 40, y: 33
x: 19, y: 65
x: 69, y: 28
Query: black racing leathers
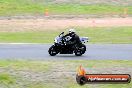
x: 74, y: 39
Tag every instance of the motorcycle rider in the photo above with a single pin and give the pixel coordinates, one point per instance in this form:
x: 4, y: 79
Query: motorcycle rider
x: 75, y: 40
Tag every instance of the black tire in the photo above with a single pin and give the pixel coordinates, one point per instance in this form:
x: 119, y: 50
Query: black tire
x: 78, y: 52
x: 83, y: 48
x: 81, y: 80
x: 52, y: 51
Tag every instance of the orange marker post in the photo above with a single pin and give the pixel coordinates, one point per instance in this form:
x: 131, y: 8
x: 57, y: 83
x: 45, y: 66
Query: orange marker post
x: 46, y: 12
x: 125, y: 12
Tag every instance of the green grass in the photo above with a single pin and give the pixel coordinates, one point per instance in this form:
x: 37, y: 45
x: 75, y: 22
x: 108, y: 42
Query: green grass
x: 21, y: 7
x: 101, y: 63
x: 10, y: 75
x: 6, y: 79
x: 14, y: 78
x: 25, y: 65
x: 122, y: 35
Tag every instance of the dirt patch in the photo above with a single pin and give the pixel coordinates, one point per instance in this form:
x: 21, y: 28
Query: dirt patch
x: 40, y: 24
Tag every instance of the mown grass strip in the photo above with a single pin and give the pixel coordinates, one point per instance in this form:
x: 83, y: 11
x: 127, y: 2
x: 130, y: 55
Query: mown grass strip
x: 30, y: 7
x: 111, y: 35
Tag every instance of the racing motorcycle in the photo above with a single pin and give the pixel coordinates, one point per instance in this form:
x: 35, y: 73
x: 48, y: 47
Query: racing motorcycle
x: 61, y: 46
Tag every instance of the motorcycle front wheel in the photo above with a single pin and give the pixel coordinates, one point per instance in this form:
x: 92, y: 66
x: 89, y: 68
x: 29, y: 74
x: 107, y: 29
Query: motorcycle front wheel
x: 52, y: 51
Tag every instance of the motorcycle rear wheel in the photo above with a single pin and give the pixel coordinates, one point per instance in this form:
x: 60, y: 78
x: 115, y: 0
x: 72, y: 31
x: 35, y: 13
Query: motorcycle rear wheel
x: 78, y: 52
x: 83, y: 48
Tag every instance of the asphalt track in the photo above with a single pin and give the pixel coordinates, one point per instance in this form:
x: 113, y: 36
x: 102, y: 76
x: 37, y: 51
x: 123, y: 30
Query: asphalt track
x: 40, y: 52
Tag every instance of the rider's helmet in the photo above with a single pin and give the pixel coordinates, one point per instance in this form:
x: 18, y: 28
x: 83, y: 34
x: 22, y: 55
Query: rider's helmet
x: 72, y: 31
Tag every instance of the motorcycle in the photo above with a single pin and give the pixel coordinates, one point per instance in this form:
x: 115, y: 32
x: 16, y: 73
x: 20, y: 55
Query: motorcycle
x: 61, y: 46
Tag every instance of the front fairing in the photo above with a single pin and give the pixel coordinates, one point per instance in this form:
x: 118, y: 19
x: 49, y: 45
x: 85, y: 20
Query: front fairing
x: 58, y: 40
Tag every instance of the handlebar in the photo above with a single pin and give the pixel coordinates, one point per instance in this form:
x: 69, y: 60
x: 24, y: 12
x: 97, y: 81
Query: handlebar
x: 61, y: 33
